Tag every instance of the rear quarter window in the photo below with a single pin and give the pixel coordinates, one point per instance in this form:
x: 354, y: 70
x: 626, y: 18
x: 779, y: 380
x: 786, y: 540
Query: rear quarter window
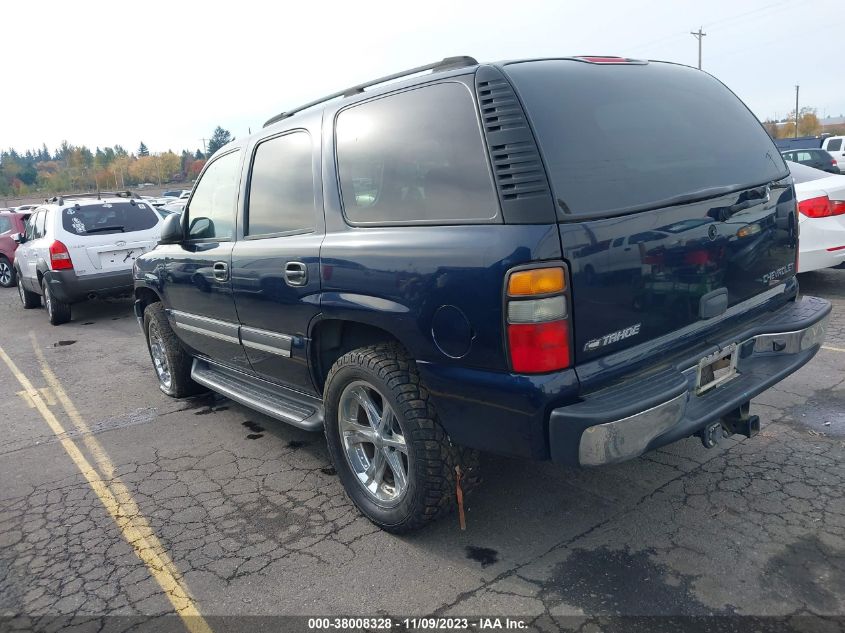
x: 835, y: 145
x: 109, y: 217
x: 415, y: 157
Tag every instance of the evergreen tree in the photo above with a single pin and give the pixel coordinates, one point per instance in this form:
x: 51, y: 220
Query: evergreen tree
x: 142, y: 150
x: 218, y: 139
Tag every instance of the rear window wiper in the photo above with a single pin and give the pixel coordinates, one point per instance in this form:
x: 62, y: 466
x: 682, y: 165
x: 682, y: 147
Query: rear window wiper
x: 97, y: 229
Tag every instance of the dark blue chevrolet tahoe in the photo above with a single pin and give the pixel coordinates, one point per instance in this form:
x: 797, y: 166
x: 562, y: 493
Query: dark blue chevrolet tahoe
x: 576, y: 259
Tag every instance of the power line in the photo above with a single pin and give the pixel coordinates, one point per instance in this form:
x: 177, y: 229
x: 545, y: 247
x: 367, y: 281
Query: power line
x: 698, y: 35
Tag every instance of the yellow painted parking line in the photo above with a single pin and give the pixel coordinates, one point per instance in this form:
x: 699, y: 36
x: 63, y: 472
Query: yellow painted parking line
x: 833, y: 349
x: 123, y: 510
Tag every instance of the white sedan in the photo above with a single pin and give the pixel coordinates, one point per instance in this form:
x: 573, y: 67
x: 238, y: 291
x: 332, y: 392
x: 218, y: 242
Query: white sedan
x: 821, y: 217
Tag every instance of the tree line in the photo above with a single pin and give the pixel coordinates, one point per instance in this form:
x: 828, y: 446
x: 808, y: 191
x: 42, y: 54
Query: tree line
x: 76, y: 167
x: 808, y: 125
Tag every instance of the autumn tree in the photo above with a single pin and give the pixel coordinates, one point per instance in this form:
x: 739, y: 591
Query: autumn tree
x: 219, y: 138
x: 808, y: 124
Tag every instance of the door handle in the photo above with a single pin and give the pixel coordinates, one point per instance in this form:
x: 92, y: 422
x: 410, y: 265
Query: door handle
x: 221, y: 271
x: 296, y: 274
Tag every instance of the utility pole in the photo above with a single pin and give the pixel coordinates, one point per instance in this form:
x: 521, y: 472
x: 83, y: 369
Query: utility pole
x: 796, y: 110
x: 698, y: 35
x: 204, y: 147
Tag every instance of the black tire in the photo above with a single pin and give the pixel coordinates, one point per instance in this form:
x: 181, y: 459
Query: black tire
x: 177, y: 360
x: 8, y: 277
x: 29, y: 299
x: 431, y: 457
x: 57, y: 311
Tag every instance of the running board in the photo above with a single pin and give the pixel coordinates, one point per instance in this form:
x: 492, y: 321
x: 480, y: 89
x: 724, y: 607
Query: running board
x: 269, y: 399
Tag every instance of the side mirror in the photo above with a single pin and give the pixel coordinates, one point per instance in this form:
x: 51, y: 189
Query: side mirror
x: 20, y: 238
x: 201, y: 228
x: 171, y: 230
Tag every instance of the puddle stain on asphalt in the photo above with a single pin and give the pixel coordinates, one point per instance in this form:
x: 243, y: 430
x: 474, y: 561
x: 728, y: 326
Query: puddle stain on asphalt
x: 88, y: 323
x: 63, y: 343
x: 328, y: 470
x: 811, y: 570
x: 257, y: 430
x: 616, y: 582
x: 822, y: 414
x: 297, y: 444
x: 483, y: 555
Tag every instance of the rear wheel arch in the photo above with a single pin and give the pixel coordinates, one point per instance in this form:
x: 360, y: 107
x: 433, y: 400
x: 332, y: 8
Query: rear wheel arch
x: 332, y: 338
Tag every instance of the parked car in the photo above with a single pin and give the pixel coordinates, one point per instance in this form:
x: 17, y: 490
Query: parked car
x: 402, y: 266
x: 835, y: 146
x: 10, y: 224
x: 172, y: 194
x: 25, y: 208
x: 80, y: 247
x: 815, y: 158
x: 821, y: 217
x: 177, y: 206
x: 186, y: 193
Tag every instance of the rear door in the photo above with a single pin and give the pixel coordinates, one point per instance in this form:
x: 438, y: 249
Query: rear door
x: 667, y: 158
x: 197, y: 275
x: 28, y: 252
x: 275, y: 266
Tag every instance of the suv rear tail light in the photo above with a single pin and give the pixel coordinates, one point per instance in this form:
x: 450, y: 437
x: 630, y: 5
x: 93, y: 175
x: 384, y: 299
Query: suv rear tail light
x: 821, y: 207
x: 60, y: 257
x: 538, y: 320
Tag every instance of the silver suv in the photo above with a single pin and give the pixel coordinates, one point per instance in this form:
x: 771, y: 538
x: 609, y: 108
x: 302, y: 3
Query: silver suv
x: 83, y: 246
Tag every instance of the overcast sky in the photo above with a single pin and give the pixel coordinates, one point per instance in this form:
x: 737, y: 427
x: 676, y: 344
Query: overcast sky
x: 166, y: 73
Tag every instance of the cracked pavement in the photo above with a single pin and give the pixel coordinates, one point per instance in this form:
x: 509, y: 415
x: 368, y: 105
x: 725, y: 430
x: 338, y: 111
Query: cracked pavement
x: 254, y: 518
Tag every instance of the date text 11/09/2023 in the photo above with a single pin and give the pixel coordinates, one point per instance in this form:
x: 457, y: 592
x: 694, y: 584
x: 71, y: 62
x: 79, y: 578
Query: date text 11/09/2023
x: 424, y: 623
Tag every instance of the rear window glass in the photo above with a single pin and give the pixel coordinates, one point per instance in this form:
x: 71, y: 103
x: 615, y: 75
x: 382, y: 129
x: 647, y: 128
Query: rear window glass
x: 630, y: 137
x: 834, y: 145
x: 415, y: 157
x: 109, y: 217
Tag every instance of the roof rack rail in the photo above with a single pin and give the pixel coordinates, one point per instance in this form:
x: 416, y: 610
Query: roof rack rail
x: 447, y: 63
x: 91, y: 194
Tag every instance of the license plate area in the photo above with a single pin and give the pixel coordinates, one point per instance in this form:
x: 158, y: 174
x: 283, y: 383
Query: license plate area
x: 716, y: 369
x: 120, y: 257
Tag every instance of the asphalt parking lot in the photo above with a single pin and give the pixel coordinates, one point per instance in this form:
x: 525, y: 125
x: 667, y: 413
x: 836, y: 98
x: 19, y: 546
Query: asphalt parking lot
x: 118, y: 501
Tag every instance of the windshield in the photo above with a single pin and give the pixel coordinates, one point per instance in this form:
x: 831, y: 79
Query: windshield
x: 616, y: 138
x: 109, y: 217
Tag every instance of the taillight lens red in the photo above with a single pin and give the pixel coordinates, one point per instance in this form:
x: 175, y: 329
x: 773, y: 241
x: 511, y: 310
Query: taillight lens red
x: 821, y: 207
x: 60, y: 257
x: 537, y: 313
x: 539, y: 347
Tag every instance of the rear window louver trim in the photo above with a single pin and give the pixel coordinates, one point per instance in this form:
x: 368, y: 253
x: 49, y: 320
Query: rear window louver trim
x: 518, y: 170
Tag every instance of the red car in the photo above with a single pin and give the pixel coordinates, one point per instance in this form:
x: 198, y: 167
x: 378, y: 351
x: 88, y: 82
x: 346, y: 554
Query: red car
x: 10, y: 223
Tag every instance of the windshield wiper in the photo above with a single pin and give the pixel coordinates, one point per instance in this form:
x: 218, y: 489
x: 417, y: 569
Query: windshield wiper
x: 97, y: 229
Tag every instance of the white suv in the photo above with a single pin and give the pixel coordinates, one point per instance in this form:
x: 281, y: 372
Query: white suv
x: 79, y: 247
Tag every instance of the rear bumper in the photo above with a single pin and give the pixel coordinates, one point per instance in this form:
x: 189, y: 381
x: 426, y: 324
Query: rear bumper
x: 652, y: 409
x: 67, y: 287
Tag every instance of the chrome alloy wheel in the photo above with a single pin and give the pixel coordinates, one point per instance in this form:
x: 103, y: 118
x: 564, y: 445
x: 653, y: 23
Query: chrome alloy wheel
x: 373, y: 443
x: 48, y: 301
x: 160, y: 359
x: 21, y: 291
x: 5, y: 273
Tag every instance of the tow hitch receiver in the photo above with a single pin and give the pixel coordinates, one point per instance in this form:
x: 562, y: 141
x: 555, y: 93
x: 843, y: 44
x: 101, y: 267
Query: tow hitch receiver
x: 740, y: 422
x: 737, y: 422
